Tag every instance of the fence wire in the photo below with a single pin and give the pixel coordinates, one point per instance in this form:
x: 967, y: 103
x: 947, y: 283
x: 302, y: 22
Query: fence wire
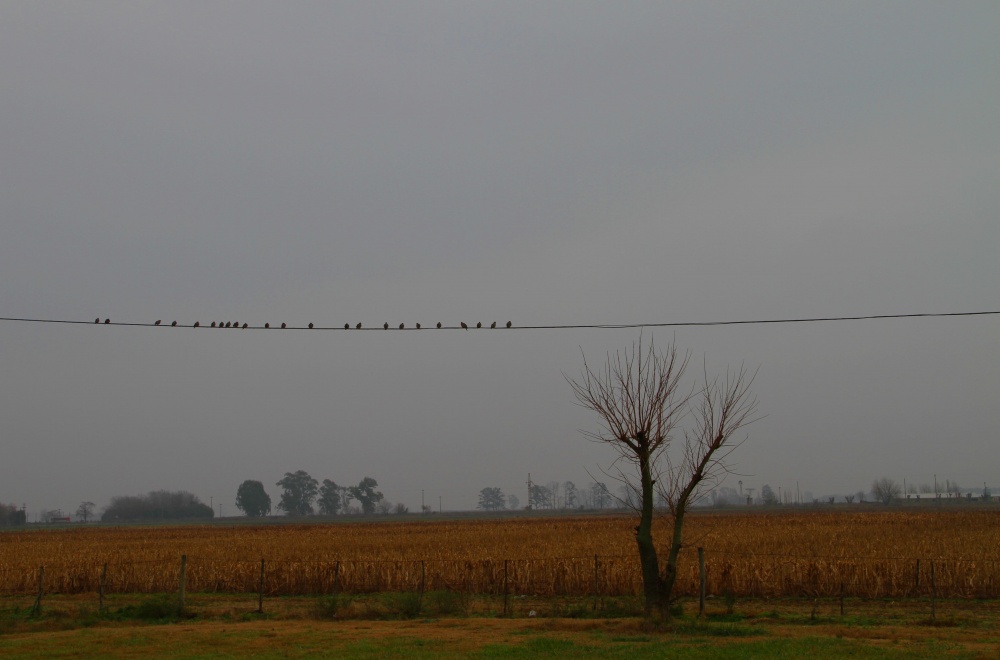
x: 726, y: 574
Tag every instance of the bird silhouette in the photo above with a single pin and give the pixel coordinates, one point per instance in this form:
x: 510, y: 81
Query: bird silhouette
x: 196, y: 324
x: 479, y: 325
x: 267, y: 325
x: 418, y: 326
x: 439, y: 324
x: 493, y: 325
x: 358, y: 326
x: 97, y: 320
x: 401, y: 326
x: 347, y: 326
x: 244, y: 326
x: 464, y: 327
x: 158, y: 321
x: 213, y: 324
x: 106, y: 321
x: 282, y: 325
x: 228, y: 324
x: 310, y: 326
x: 386, y: 326
x: 174, y: 324
x: 508, y: 324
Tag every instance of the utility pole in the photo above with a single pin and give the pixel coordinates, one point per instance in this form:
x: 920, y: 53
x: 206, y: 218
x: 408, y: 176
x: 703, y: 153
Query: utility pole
x: 529, y: 491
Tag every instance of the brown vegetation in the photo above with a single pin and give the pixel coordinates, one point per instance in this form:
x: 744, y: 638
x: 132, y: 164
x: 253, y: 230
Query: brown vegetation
x: 806, y: 553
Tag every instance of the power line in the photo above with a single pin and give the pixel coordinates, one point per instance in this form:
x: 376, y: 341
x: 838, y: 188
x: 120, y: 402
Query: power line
x: 508, y: 325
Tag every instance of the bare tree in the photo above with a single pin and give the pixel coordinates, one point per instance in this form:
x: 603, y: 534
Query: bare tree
x: 553, y: 487
x: 85, y: 510
x: 569, y: 495
x: 886, y: 490
x: 640, y: 400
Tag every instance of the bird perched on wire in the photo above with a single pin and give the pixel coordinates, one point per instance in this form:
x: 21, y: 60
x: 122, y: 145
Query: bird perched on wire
x: 310, y: 326
x: 401, y: 326
x: 418, y: 326
x: 174, y: 324
x: 386, y: 326
x: 158, y: 321
x: 97, y: 320
x: 358, y: 326
x: 479, y: 325
x: 267, y: 325
x: 464, y: 327
x: 439, y: 324
x: 493, y: 325
x: 107, y: 321
x: 244, y: 326
x: 282, y: 326
x: 228, y: 324
x: 213, y: 324
x: 508, y: 324
x: 347, y: 326
x: 196, y: 324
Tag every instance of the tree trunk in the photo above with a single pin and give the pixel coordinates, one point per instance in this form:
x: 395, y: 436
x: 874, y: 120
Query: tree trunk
x: 652, y: 585
x: 670, y: 570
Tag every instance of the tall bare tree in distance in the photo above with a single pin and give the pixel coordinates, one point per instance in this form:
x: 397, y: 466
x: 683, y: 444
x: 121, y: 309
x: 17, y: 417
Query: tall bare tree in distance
x: 639, y: 396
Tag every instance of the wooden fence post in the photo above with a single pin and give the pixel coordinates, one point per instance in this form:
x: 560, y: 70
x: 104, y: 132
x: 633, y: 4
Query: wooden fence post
x: 100, y: 588
x: 506, y: 590
x: 420, y: 599
x: 260, y: 594
x: 37, y: 607
x: 180, y: 599
x: 701, y: 581
x: 933, y: 594
x: 597, y: 581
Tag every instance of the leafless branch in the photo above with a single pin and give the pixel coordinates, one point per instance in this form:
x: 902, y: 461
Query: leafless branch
x: 637, y: 395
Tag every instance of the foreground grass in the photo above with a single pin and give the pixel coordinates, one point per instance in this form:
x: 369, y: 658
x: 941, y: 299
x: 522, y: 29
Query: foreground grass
x: 221, y: 626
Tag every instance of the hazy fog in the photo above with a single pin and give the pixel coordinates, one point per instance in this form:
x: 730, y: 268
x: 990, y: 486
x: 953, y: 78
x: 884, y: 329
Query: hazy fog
x: 546, y: 163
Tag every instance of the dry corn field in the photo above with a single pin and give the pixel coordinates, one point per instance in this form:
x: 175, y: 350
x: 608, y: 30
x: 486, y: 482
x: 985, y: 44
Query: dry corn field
x: 867, y: 554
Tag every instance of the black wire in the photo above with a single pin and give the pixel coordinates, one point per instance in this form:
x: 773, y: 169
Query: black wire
x: 604, y: 326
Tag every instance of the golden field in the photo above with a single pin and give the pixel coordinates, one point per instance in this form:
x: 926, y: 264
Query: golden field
x: 783, y: 553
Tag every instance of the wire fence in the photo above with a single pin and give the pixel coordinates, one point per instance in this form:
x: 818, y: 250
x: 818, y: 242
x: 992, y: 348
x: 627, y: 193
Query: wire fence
x: 744, y: 575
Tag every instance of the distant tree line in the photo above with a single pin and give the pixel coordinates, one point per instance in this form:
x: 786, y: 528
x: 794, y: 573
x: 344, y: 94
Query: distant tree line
x: 156, y: 505
x: 302, y: 495
x: 10, y: 515
x: 553, y: 495
x: 884, y: 490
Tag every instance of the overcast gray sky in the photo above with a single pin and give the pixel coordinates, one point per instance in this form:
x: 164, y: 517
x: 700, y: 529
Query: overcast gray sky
x: 539, y: 162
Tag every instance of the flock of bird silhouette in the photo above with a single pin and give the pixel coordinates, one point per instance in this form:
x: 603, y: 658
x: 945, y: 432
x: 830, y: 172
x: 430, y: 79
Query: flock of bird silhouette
x: 347, y: 326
